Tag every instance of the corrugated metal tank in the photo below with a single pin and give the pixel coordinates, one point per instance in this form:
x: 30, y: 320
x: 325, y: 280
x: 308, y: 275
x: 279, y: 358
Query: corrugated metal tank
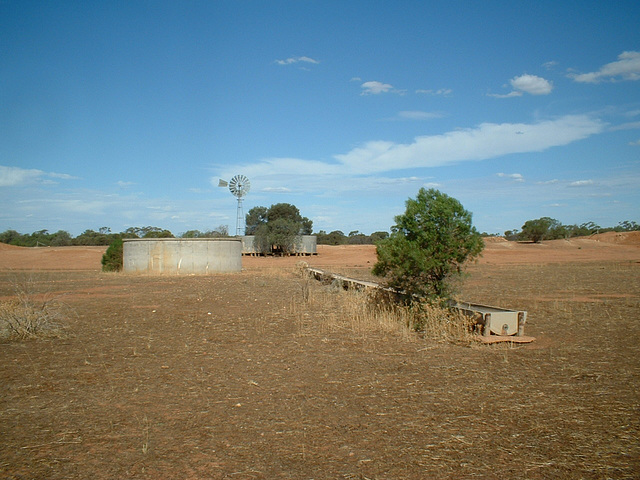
x: 307, y: 245
x: 178, y: 256
x: 249, y: 246
x: 304, y: 245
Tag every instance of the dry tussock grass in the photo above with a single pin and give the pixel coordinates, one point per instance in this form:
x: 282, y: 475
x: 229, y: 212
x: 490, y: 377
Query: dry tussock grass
x: 372, y: 312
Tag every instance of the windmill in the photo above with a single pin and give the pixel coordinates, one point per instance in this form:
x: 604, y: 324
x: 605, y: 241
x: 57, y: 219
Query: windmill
x: 239, y: 187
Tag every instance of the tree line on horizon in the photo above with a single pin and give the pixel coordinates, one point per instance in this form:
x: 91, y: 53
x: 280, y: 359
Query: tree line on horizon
x: 537, y: 230
x: 547, y: 228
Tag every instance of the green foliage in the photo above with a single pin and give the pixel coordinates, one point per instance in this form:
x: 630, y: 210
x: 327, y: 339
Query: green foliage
x: 255, y: 217
x: 355, y: 238
x: 276, y: 228
x: 539, y: 229
x: 333, y: 238
x: 112, y: 258
x: 91, y: 237
x: 146, y: 232
x: 428, y: 246
x: 221, y: 231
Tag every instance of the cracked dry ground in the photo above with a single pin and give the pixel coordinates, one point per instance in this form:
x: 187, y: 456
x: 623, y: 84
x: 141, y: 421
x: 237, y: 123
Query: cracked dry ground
x: 237, y: 377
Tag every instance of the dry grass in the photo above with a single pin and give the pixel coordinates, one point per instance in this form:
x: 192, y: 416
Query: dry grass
x: 30, y: 314
x: 371, y: 312
x: 248, y: 377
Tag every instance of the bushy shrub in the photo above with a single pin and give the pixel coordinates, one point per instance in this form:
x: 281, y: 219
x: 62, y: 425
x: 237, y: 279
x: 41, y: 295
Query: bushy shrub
x: 428, y: 246
x: 112, y: 260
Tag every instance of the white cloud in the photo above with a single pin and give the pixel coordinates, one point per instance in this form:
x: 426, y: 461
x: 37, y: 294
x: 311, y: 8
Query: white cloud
x: 357, y: 169
x: 442, y: 91
x: 375, y: 88
x: 13, y: 176
x: 487, y: 140
x: 550, y: 65
x: 530, y: 84
x: 516, y: 177
x: 626, y: 68
x: 581, y: 183
x: 292, y: 60
x: 16, y: 176
x: 506, y: 95
x: 123, y: 184
x: 635, y: 144
x: 62, y: 176
x: 276, y: 190
x: 626, y: 126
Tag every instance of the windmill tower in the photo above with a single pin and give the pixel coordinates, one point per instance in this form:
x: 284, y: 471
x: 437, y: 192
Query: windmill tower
x: 239, y: 187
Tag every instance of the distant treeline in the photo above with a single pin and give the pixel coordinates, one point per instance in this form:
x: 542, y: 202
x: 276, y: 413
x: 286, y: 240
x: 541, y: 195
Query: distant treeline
x: 547, y: 228
x: 104, y: 236
x: 544, y: 228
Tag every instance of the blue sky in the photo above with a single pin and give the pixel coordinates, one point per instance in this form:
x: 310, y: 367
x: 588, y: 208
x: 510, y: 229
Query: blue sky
x: 125, y: 114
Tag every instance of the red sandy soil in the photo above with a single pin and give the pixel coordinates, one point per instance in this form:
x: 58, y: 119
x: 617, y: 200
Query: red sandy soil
x: 611, y: 246
x: 266, y: 375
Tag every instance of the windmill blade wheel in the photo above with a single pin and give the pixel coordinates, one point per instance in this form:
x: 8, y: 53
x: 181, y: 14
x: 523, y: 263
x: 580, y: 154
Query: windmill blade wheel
x: 239, y: 186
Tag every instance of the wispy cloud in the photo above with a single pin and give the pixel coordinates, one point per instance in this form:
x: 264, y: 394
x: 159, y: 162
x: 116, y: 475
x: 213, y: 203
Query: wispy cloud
x: 16, y: 176
x: 276, y: 190
x: 442, y: 91
x: 487, y: 140
x: 530, y: 84
x: 375, y: 88
x: 292, y: 60
x: 516, y: 177
x: 581, y: 183
x: 635, y: 144
x: 418, y: 115
x: 627, y: 67
x: 626, y: 126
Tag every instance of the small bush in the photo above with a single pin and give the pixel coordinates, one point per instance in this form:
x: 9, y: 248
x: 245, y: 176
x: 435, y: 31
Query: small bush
x: 30, y: 316
x: 112, y: 258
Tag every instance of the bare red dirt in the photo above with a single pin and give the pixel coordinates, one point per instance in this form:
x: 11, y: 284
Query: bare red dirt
x: 237, y: 376
x: 610, y: 246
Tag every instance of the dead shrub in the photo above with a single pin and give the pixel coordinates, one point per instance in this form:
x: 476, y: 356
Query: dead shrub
x: 30, y: 315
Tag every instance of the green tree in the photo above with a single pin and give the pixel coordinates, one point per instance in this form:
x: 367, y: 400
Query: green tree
x: 377, y: 236
x: 112, y: 260
x: 276, y: 228
x: 255, y: 217
x: 427, y: 247
x: 541, y: 229
x: 11, y: 237
x: 627, y: 226
x: 335, y: 237
x: 61, y: 238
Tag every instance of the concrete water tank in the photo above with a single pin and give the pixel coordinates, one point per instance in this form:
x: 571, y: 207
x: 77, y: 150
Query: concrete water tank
x: 178, y: 256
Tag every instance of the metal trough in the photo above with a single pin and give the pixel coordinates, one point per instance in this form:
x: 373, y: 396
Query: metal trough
x: 496, y: 320
x: 499, y: 321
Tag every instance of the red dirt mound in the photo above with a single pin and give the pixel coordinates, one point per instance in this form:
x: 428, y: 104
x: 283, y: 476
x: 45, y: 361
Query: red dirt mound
x: 621, y: 238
